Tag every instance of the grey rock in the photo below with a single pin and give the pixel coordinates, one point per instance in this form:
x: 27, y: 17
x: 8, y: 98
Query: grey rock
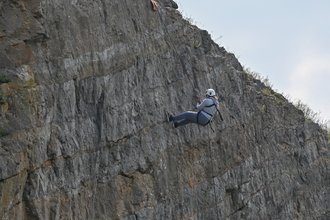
x: 84, y: 134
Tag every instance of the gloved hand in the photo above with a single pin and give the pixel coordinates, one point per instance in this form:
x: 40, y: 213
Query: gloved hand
x: 198, y: 99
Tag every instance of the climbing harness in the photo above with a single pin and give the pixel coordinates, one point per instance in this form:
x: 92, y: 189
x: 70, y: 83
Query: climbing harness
x: 209, y: 122
x: 194, y: 84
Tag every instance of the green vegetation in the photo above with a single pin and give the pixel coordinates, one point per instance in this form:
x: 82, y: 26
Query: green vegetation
x: 256, y: 75
x: 3, y: 132
x: 252, y: 74
x: 196, y: 44
x: 2, y: 99
x: 279, y: 98
x: 309, y: 114
x: 3, y: 77
x: 269, y: 91
x: 190, y: 20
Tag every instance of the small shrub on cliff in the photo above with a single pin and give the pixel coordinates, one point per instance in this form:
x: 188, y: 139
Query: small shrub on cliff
x: 310, y: 115
x: 279, y: 98
x: 196, y: 44
x: 257, y: 76
x: 2, y: 99
x: 252, y: 74
x: 3, y: 77
x: 3, y: 132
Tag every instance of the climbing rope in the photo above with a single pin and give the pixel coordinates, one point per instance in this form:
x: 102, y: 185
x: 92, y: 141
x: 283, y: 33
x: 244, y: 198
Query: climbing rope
x: 213, y: 176
x: 195, y: 88
x: 193, y: 82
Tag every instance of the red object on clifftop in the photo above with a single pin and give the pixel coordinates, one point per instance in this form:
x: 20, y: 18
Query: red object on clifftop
x: 154, y: 4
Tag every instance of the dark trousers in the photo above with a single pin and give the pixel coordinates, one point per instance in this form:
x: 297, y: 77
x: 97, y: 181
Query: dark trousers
x: 190, y: 117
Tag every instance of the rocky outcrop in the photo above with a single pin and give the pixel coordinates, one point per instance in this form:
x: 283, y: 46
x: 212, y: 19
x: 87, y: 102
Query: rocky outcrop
x: 85, y: 85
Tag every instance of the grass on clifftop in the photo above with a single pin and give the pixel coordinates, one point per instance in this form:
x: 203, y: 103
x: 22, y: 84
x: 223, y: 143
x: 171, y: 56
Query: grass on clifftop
x: 309, y: 114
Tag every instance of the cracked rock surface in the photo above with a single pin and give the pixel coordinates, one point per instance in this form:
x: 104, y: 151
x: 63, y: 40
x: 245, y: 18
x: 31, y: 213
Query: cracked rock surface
x: 84, y: 90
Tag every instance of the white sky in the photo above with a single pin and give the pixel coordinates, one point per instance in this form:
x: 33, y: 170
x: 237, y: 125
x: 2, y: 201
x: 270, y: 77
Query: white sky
x: 287, y: 41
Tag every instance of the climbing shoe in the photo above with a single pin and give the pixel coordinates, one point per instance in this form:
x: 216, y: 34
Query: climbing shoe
x: 169, y: 117
x: 174, y: 124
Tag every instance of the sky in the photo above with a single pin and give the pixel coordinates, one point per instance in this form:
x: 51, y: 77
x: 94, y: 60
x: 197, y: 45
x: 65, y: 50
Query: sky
x: 287, y: 41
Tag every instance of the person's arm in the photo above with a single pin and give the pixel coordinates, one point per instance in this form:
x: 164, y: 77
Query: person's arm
x: 202, y: 105
x: 198, y: 99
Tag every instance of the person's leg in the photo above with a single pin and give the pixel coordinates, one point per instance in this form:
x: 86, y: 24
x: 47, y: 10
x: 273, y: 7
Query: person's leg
x: 185, y: 118
x: 191, y: 116
x: 182, y: 122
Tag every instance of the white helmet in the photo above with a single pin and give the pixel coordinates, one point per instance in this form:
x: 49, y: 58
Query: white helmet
x: 210, y: 92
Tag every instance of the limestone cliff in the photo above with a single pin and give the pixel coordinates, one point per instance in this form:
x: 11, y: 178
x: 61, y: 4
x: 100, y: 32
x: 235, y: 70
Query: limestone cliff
x: 84, y: 87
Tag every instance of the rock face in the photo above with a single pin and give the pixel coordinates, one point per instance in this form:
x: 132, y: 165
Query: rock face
x: 84, y: 88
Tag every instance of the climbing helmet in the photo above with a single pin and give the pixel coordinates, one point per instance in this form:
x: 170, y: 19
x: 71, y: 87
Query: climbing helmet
x: 210, y: 92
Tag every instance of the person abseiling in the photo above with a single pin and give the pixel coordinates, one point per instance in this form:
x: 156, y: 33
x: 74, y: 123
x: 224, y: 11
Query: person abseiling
x: 206, y: 110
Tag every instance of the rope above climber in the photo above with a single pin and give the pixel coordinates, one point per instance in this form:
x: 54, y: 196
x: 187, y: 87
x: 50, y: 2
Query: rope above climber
x: 206, y: 110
